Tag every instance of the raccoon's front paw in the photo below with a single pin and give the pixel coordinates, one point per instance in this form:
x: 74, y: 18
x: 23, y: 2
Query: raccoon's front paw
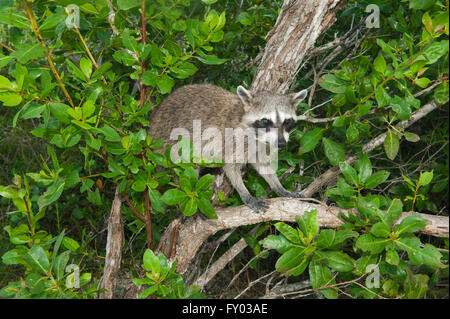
x: 256, y: 204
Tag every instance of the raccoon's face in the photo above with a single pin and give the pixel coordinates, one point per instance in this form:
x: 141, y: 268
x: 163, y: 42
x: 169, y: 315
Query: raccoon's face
x: 272, y: 116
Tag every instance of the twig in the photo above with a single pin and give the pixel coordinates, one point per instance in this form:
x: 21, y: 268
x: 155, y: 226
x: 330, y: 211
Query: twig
x: 46, y: 52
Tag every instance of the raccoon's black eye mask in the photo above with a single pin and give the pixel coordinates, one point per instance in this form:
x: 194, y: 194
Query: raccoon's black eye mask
x: 289, y: 124
x: 264, y: 123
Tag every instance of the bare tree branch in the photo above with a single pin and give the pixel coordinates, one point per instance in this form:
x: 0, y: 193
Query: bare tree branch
x: 114, y: 245
x: 196, y: 230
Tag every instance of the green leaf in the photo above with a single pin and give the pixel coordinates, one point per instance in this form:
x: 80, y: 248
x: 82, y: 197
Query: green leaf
x: 411, y: 224
x: 124, y: 57
x: 156, y: 201
x: 425, y: 178
x: 309, y: 224
x: 290, y: 233
x: 89, y: 8
x: 150, y: 77
x: 392, y: 257
x: 101, y: 70
x: 52, y: 21
x: 244, y: 18
x: 190, y: 207
x: 428, y: 255
x: 76, y: 71
x: 335, y: 152
x: 367, y: 242
x: 60, y: 263
x: 332, y: 83
x: 165, y: 84
x: 400, y: 107
x: 13, y: 257
x: 10, y: 99
x: 110, y: 134
x: 70, y: 244
x: 376, y: 179
x: 364, y: 108
x: 275, y: 242
x: 128, y: 41
x: 310, y: 139
x: 86, y: 67
x: 441, y: 93
x: 411, y: 137
x: 338, y: 261
x: 421, y: 4
x: 173, y: 196
x: 209, y: 59
x: 320, y: 275
x: 381, y: 230
x: 422, y: 82
x: 349, y: 173
x: 394, y: 211
x: 293, y: 262
x: 364, y: 167
x: 391, y: 145
x: 59, y: 111
x: 128, y: 4
x: 5, y: 83
x: 379, y: 64
x: 26, y: 52
x: 325, y: 238
x: 204, y: 183
x: 352, y: 133
x: 206, y: 208
x: 37, y: 259
x: 51, y: 194
x: 4, y: 60
x: 151, y: 262
x: 367, y: 207
x: 88, y: 109
x: 382, y: 97
x: 184, y: 70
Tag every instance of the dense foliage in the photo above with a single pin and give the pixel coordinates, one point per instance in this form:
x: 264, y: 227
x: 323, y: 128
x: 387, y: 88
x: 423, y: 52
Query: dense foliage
x: 75, y: 97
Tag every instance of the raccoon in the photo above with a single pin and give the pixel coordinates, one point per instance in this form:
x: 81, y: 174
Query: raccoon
x: 266, y: 118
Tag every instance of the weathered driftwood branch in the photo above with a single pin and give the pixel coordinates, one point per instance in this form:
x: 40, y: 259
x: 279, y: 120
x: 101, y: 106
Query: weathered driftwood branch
x: 114, y: 245
x: 196, y: 230
x: 298, y: 25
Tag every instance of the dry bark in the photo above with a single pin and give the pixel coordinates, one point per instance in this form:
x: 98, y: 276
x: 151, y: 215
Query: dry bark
x: 114, y: 245
x: 298, y: 25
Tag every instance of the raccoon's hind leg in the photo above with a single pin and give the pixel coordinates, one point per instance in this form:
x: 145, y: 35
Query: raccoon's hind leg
x: 271, y: 178
x: 234, y: 174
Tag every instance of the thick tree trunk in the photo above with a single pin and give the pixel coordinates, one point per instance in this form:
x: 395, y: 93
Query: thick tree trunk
x: 299, y: 24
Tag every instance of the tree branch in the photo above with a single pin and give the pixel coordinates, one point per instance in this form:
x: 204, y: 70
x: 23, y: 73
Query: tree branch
x: 196, y: 230
x: 114, y: 245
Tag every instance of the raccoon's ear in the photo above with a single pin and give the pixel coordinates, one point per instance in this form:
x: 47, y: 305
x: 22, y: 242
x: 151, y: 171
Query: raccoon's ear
x: 298, y: 97
x: 244, y: 95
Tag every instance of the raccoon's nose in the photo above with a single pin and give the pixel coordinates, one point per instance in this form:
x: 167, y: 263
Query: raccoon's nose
x: 281, y: 142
